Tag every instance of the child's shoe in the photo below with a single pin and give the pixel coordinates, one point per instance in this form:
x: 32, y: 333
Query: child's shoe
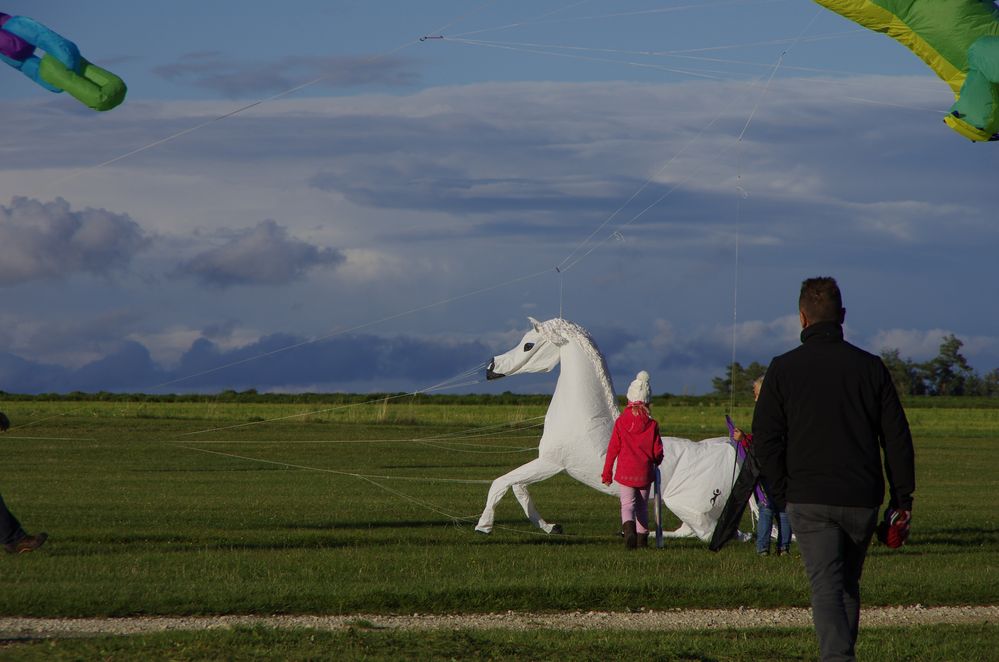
x: 643, y: 539
x: 630, y: 537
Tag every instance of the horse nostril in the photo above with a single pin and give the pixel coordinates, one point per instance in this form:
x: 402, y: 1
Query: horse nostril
x: 490, y: 374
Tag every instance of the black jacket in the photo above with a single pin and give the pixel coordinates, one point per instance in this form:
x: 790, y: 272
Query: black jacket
x: 826, y: 411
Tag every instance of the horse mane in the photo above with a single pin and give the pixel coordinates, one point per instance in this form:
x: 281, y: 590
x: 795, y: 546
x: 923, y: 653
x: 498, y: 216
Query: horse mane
x: 559, y: 332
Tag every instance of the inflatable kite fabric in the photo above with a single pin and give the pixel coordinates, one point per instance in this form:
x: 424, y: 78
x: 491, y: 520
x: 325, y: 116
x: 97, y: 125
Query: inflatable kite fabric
x: 958, y: 39
x: 62, y: 68
x: 696, y: 477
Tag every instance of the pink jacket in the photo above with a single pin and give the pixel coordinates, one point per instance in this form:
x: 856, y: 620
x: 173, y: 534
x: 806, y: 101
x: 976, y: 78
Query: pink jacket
x: 636, y: 445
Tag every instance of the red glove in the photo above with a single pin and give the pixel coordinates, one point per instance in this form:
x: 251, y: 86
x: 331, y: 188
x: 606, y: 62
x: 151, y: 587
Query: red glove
x: 894, y: 529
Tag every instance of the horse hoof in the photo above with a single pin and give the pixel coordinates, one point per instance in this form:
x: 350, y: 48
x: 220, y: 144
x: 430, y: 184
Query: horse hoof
x: 556, y: 529
x: 484, y: 532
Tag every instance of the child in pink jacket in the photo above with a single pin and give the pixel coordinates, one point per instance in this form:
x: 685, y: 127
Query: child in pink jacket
x: 637, y: 447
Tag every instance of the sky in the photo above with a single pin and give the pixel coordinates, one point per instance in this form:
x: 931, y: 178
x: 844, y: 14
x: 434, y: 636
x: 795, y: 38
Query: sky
x: 306, y: 196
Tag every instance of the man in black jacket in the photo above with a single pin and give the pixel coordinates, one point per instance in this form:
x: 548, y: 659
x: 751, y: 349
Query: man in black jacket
x: 826, y: 412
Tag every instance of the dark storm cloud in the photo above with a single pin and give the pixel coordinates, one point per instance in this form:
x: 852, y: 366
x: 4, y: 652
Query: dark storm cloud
x: 275, y: 362
x: 263, y: 255
x: 126, y: 368
x: 18, y: 375
x: 49, y: 240
x: 286, y: 362
x: 269, y: 364
x: 235, y: 78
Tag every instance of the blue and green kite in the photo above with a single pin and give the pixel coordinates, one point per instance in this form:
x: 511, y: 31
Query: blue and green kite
x: 61, y: 67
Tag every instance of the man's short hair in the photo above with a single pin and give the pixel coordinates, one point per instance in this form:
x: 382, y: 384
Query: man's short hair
x: 820, y: 299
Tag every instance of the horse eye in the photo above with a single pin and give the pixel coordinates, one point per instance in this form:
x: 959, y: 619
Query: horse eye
x: 528, y: 346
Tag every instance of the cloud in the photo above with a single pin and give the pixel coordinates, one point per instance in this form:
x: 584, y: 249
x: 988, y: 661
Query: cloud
x: 284, y: 361
x: 430, y: 195
x: 911, y: 343
x: 680, y: 361
x: 71, y: 341
x: 19, y: 375
x: 274, y: 362
x: 235, y: 78
x: 48, y: 240
x: 427, y: 185
x: 685, y: 359
x: 924, y: 344
x: 128, y: 368
x: 368, y: 265
x: 263, y: 255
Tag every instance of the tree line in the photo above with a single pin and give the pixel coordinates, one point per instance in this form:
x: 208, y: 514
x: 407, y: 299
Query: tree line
x: 946, y: 374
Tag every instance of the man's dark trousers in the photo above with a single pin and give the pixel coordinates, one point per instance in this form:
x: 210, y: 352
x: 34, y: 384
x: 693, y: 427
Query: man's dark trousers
x: 10, y: 528
x: 833, y: 541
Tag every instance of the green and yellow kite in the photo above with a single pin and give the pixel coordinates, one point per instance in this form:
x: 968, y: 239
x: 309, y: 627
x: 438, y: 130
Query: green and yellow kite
x: 958, y: 39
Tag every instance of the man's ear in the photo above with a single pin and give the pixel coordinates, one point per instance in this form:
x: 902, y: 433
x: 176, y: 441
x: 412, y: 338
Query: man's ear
x: 842, y: 315
x: 803, y: 319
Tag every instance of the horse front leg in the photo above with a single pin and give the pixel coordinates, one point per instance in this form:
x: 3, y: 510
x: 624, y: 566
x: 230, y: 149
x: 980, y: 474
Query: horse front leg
x: 532, y: 472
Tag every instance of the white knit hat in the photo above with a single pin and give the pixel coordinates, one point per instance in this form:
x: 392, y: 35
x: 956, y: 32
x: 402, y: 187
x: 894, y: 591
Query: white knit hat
x: 638, y: 391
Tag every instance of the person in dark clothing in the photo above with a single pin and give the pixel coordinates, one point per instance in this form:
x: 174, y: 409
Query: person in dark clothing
x: 14, y: 538
x: 826, y: 414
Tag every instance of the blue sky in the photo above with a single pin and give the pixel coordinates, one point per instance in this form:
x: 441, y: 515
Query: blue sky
x: 392, y: 224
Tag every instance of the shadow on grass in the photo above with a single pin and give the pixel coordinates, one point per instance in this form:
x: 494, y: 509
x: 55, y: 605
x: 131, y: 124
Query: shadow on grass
x: 208, y: 470
x: 363, y: 526
x: 512, y: 532
x: 932, y: 541
x: 339, y: 535
x: 961, y: 537
x: 557, y: 540
x: 166, y: 544
x: 463, y: 465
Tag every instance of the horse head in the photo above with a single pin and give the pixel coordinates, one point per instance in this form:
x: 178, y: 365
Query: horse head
x: 537, y: 351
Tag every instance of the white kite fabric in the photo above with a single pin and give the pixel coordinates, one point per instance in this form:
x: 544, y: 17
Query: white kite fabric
x: 696, y: 476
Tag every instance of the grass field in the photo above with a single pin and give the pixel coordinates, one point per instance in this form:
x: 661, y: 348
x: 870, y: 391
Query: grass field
x: 203, y: 508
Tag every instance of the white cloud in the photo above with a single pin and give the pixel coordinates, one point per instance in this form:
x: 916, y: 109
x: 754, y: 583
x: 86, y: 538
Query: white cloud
x: 364, y: 265
x: 923, y: 344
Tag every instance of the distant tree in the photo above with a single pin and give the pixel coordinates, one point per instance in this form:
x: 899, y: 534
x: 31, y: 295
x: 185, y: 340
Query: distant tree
x: 948, y: 373
x: 738, y: 380
x: 990, y: 383
x: 907, y: 375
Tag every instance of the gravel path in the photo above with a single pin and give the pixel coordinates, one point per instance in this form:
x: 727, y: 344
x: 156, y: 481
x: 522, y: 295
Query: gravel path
x: 698, y: 619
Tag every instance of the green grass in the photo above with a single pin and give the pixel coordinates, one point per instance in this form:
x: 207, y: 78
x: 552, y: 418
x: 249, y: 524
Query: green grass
x: 928, y: 643
x: 142, y: 523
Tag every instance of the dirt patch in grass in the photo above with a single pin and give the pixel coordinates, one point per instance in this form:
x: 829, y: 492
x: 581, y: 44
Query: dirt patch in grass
x: 17, y: 628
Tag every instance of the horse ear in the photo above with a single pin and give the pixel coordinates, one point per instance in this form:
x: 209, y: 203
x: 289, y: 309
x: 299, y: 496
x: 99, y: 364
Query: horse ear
x: 535, y: 323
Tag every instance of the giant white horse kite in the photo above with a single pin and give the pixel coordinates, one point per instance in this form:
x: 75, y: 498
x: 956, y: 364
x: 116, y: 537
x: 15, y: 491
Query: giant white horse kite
x: 696, y: 476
